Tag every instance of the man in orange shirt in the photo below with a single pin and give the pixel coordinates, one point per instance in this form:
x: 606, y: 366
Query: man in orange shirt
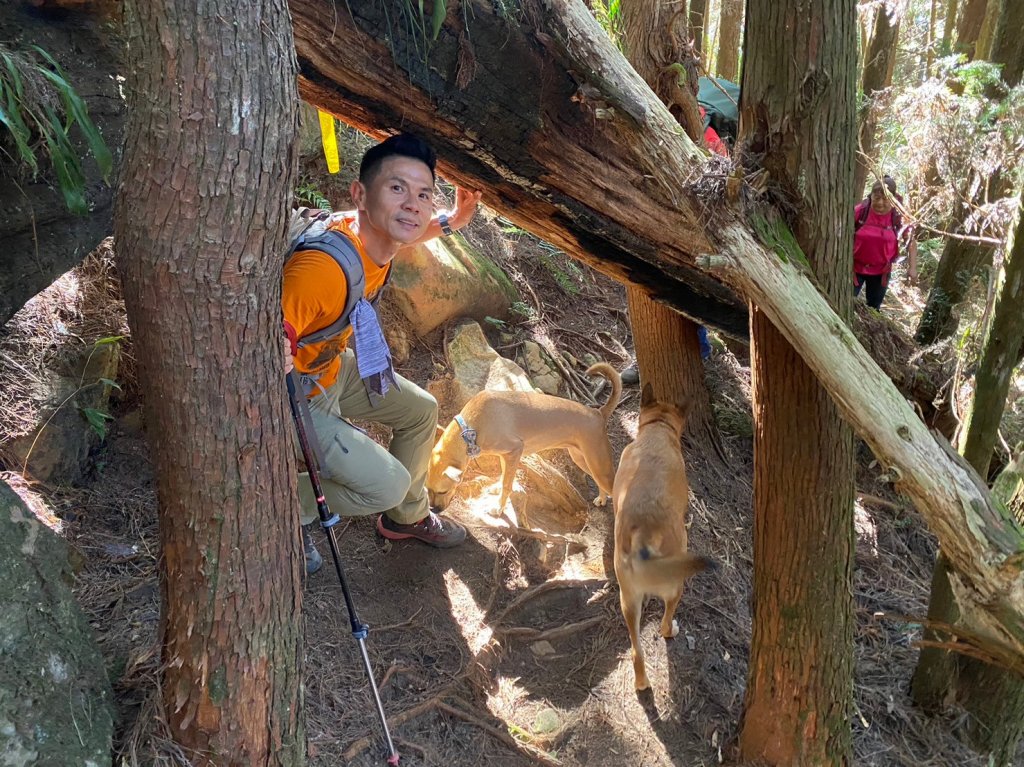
x: 394, y: 204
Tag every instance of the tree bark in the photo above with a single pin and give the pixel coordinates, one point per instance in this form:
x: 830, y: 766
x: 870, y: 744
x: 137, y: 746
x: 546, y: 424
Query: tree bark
x: 971, y: 21
x: 42, y: 240
x: 933, y: 18
x: 698, y: 26
x: 612, y: 188
x: 948, y: 25
x: 200, y: 225
x: 998, y: 358
x: 961, y: 261
x: 798, y: 126
x: 667, y: 351
x: 993, y: 696
x: 585, y: 158
x: 729, y: 26
x: 878, y: 69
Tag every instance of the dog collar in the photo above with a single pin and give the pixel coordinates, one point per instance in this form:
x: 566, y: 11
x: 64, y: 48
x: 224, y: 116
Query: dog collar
x: 468, y: 436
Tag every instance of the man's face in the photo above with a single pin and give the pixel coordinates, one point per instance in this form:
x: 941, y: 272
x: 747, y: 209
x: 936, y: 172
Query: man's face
x: 397, y: 202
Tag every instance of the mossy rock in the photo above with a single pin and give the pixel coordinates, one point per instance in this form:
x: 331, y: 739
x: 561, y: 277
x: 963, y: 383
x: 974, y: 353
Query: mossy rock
x: 56, y: 704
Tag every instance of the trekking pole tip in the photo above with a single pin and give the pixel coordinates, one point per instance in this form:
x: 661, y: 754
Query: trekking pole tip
x: 393, y: 759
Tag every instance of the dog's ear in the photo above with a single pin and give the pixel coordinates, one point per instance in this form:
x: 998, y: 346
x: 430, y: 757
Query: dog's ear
x: 453, y: 473
x: 647, y: 396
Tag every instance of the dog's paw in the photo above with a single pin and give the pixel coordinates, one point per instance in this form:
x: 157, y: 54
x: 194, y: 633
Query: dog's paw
x: 601, y: 499
x: 675, y: 630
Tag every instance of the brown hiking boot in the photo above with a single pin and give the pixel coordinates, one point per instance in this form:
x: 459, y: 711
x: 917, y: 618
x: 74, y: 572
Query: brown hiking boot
x: 432, y: 530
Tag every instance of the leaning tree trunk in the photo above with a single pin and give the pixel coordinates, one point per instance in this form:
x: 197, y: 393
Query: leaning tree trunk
x: 800, y: 678
x: 878, y: 68
x: 994, y: 697
x: 730, y: 23
x: 200, y: 225
x: 583, y: 155
x: 667, y: 351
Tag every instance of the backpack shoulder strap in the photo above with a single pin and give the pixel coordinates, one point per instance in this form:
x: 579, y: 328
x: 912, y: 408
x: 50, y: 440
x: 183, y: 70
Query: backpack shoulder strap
x: 340, y: 248
x: 862, y: 217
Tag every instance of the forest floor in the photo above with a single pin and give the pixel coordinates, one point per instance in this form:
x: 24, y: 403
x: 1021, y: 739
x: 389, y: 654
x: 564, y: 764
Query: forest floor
x: 509, y: 650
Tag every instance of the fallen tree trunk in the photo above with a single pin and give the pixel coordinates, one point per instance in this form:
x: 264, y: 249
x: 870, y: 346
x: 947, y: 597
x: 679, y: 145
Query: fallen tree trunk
x: 542, y: 113
x: 563, y: 144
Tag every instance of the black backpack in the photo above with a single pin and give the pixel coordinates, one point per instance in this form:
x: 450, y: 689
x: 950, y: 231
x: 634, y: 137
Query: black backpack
x: 721, y: 110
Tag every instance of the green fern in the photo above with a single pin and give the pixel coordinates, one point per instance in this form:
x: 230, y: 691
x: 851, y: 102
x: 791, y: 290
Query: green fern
x: 38, y: 109
x: 312, y: 197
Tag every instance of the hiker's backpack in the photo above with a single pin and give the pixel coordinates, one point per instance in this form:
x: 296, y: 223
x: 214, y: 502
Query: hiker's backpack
x: 861, y: 218
x: 721, y: 110
x: 308, y: 230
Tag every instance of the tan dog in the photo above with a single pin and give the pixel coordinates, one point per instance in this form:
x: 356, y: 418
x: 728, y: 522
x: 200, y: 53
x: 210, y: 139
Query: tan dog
x: 511, y: 424
x: 651, y: 499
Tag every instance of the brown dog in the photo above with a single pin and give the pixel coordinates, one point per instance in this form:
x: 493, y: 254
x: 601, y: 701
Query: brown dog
x: 511, y: 424
x: 651, y: 499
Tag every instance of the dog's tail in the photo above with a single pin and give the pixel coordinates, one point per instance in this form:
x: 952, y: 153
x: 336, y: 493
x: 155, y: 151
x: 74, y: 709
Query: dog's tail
x: 606, y: 370
x: 677, y: 568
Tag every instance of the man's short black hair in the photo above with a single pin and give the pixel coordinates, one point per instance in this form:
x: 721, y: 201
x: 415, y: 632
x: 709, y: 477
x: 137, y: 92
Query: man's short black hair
x: 402, y: 145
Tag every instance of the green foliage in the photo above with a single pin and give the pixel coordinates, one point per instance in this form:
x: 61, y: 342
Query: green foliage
x: 566, y: 272
x: 97, y: 420
x: 311, y: 197
x: 608, y: 15
x: 523, y: 310
x: 38, y: 109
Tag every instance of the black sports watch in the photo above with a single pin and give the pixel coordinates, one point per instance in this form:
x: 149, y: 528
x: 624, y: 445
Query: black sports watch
x: 442, y: 219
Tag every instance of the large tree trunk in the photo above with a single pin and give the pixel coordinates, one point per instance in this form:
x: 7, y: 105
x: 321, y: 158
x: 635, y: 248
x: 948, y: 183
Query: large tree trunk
x: 588, y: 162
x: 993, y: 696
x: 971, y: 21
x: 699, y: 26
x: 961, y: 261
x: 878, y: 69
x: 800, y: 679
x: 200, y: 225
x: 729, y: 26
x: 42, y: 240
x: 948, y: 25
x: 999, y: 352
x: 667, y: 351
x: 605, y: 176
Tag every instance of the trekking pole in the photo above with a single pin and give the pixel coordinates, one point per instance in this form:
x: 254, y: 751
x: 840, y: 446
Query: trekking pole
x: 328, y: 521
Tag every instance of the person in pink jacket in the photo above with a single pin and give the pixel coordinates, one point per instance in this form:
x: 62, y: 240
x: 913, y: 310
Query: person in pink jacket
x: 878, y: 229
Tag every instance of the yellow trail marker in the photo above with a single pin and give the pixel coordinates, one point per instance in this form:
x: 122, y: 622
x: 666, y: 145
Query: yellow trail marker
x: 330, y: 141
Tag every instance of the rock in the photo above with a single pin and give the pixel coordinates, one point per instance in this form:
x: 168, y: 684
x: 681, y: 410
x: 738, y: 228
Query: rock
x: 65, y: 436
x: 56, y: 704
x: 543, y: 372
x: 446, y: 278
x: 476, y: 366
x: 542, y: 648
x: 546, y: 722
